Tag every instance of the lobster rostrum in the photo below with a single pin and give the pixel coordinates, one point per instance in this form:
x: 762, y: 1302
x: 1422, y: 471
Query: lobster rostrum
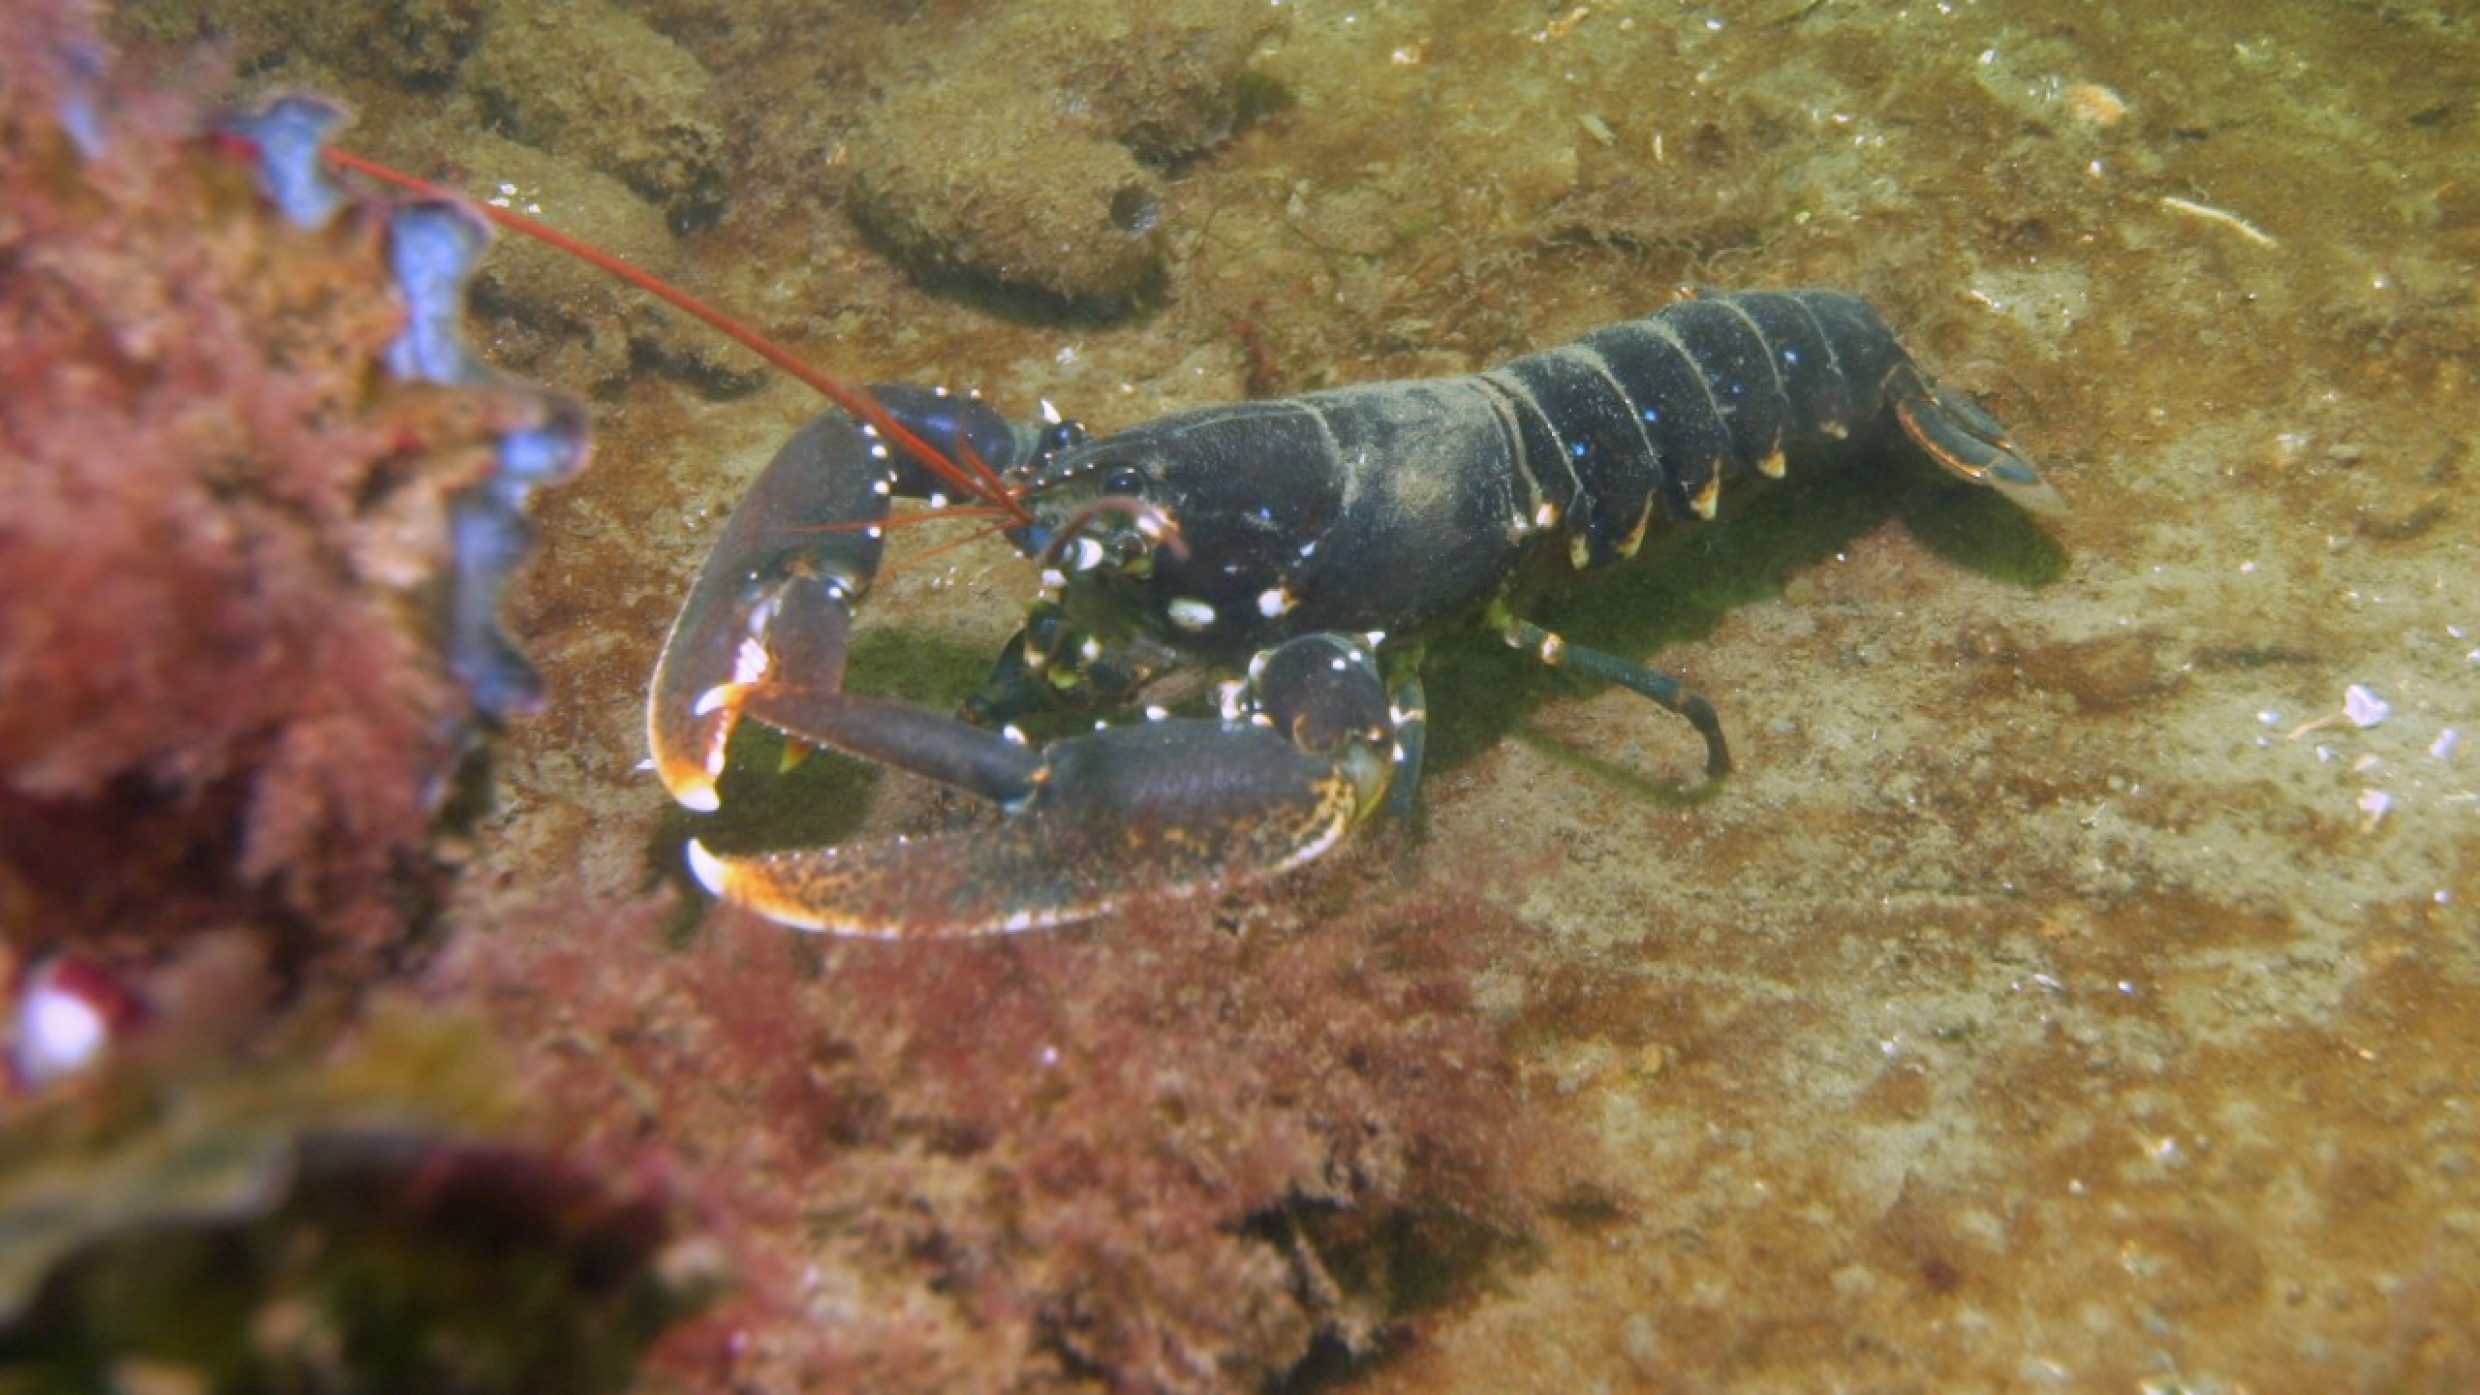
x: 1308, y: 545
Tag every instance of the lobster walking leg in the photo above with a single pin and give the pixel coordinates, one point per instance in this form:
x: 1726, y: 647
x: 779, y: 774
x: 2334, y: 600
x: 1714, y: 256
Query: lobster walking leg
x: 1556, y: 651
x: 1408, y: 706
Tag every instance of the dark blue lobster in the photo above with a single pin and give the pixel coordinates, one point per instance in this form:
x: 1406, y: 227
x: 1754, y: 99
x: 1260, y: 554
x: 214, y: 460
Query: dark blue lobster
x: 1310, y: 544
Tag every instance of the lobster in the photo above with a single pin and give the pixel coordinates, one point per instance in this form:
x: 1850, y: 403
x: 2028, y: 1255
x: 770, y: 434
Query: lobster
x: 1308, y: 545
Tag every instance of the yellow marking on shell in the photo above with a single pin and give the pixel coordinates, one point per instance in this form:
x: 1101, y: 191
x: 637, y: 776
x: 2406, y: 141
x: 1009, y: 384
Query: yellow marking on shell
x: 1579, y: 552
x: 1833, y: 430
x: 1636, y: 535
x: 1773, y: 465
x: 1553, y: 651
x: 1709, y: 498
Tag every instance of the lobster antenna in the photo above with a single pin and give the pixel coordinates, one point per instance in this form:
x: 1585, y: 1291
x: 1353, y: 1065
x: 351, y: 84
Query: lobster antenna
x: 912, y: 560
x: 912, y: 519
x: 976, y: 479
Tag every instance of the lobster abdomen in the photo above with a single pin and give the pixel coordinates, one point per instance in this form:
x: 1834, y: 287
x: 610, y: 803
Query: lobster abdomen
x: 1673, y: 405
x: 1388, y: 506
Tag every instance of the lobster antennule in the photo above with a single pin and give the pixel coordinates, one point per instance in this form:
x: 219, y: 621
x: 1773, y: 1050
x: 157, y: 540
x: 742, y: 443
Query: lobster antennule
x: 973, y: 477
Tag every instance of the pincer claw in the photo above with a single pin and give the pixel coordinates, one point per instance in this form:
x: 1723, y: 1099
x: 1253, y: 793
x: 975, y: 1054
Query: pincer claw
x: 1167, y: 809
x: 1162, y: 808
x: 776, y: 596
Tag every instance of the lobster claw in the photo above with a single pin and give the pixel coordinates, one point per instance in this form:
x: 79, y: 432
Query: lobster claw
x: 775, y: 598
x: 1162, y: 808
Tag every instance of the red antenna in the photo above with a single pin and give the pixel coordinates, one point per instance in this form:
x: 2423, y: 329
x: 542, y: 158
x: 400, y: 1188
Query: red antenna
x: 973, y: 476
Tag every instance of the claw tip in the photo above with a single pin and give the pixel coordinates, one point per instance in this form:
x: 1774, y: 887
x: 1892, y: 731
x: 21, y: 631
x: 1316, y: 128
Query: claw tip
x: 690, y: 783
x: 707, y: 868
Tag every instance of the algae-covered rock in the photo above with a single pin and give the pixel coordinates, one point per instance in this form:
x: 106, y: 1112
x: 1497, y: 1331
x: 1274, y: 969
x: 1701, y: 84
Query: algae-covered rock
x: 558, y: 319
x: 417, y: 44
x: 589, y: 81
x: 958, y: 181
x: 1033, y: 156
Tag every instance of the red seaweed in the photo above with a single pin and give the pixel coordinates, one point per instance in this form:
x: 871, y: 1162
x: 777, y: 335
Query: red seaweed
x: 1165, y: 1156
x: 220, y: 541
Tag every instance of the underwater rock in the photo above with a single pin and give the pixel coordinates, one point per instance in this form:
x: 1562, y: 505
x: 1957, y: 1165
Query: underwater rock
x: 590, y: 81
x: 557, y: 319
x: 416, y: 44
x: 1032, y: 157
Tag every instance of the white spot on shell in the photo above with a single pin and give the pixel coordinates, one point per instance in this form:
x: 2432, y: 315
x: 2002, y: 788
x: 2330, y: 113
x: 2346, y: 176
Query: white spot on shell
x: 1275, y: 600
x: 1191, y: 614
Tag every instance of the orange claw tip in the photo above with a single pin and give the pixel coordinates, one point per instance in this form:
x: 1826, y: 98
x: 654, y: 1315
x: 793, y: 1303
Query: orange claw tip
x: 690, y: 784
x: 712, y: 872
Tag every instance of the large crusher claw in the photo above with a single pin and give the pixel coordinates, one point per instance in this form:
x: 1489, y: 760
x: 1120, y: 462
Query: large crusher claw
x: 1161, y: 808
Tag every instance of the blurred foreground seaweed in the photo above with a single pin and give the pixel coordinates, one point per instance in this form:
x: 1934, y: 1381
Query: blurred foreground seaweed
x: 249, y: 550
x: 226, y: 540
x: 354, y: 1220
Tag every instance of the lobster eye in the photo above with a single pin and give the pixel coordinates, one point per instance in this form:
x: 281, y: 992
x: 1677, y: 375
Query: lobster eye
x: 1127, y: 480
x: 1059, y: 437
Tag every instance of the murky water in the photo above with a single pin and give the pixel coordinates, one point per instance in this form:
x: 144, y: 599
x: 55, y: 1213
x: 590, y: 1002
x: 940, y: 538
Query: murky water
x: 2067, y: 991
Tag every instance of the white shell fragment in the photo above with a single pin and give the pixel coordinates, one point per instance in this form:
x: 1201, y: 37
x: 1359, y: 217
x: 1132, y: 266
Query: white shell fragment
x: 2363, y: 707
